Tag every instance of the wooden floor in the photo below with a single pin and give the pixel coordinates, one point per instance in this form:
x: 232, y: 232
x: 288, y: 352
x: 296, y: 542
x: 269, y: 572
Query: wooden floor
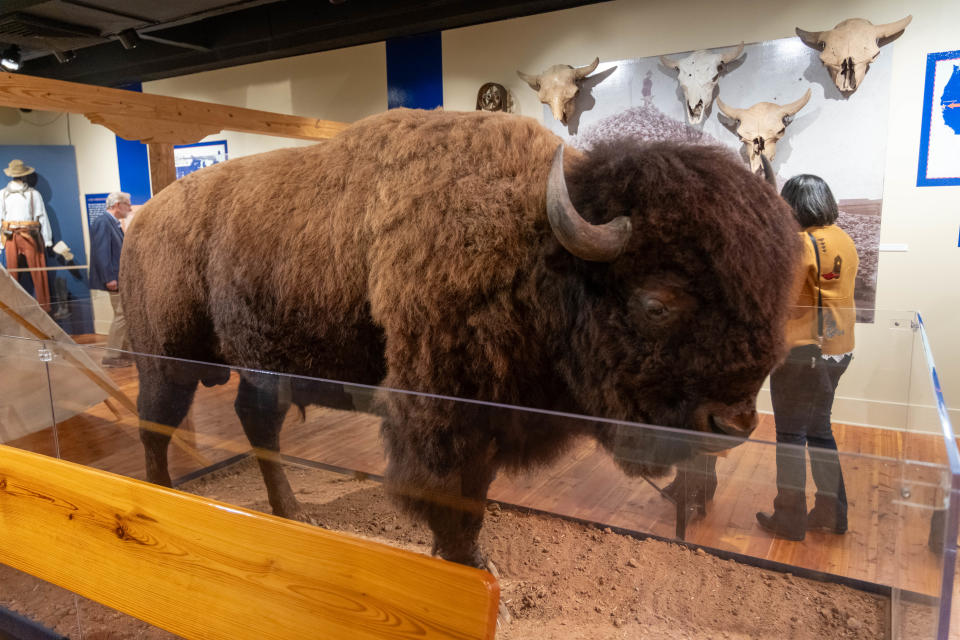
x: 886, y: 543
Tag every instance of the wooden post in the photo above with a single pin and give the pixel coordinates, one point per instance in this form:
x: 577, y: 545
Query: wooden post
x: 163, y: 171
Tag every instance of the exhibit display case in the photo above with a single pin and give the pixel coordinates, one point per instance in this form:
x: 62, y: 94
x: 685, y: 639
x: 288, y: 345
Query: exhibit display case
x: 592, y: 535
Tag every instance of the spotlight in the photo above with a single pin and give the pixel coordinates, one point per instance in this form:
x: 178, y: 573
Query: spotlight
x: 64, y: 56
x: 11, y: 58
x: 129, y: 39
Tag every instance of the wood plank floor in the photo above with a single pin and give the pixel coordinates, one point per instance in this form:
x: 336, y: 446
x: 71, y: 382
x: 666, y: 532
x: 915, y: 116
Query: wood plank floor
x: 886, y: 544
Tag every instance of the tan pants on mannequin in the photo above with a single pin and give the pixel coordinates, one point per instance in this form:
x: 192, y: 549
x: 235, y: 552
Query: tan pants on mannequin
x: 117, y: 338
x: 23, y: 241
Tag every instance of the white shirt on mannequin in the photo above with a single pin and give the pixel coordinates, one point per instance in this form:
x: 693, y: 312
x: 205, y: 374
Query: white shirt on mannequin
x: 22, y: 203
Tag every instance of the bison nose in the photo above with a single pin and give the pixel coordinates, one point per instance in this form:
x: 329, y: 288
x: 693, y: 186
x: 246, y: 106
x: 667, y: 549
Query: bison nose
x: 741, y: 425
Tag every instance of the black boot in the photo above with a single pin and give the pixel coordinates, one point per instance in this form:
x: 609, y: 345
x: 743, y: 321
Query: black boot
x: 828, y: 514
x: 789, y: 517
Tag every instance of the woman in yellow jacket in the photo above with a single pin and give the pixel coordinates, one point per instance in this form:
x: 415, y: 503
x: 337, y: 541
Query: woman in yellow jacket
x: 802, y: 388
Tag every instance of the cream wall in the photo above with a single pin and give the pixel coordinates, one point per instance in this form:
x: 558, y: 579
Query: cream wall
x: 343, y: 85
x: 926, y: 218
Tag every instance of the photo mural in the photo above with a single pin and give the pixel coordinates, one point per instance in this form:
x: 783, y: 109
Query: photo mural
x: 776, y: 98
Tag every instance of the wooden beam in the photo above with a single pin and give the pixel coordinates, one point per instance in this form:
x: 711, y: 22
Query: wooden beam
x: 153, y: 118
x: 163, y: 170
x: 202, y: 569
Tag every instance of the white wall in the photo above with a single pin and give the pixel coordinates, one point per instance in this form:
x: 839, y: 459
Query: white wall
x: 926, y: 218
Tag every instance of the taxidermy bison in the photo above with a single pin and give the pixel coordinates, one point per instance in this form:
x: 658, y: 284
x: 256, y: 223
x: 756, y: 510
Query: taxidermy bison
x: 466, y: 255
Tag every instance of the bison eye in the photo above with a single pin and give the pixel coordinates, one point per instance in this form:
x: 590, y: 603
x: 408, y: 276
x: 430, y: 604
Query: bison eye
x: 655, y: 308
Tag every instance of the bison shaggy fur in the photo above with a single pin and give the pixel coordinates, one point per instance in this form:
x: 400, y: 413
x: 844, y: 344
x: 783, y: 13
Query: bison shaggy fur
x: 413, y: 251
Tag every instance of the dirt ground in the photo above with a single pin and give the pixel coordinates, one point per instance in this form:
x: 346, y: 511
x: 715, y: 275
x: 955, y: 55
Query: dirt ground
x: 558, y: 579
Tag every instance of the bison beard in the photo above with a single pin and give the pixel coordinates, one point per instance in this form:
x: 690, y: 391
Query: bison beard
x: 415, y: 252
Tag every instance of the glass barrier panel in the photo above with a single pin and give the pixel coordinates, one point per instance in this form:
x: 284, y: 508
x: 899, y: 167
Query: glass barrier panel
x: 584, y: 519
x: 26, y: 417
x: 571, y: 499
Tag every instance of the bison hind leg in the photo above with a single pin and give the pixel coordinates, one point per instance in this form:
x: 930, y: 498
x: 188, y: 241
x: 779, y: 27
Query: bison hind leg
x: 162, y: 403
x: 262, y: 405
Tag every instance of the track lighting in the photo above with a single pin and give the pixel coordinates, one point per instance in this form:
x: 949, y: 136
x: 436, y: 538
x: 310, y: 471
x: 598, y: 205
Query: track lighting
x: 64, y: 56
x: 129, y: 38
x: 10, y: 60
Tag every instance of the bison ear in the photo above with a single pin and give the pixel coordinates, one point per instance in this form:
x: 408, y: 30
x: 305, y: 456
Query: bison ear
x: 596, y: 243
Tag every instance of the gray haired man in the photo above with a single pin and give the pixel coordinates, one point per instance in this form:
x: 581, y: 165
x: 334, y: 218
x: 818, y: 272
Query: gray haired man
x: 106, y: 241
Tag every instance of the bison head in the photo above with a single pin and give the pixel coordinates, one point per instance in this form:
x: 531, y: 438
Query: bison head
x: 849, y: 48
x: 687, y: 262
x: 557, y: 87
x: 698, y: 74
x: 761, y: 126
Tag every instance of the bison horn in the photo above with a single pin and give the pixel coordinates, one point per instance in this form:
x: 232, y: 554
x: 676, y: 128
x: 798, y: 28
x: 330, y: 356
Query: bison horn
x: 796, y: 105
x: 596, y: 243
x: 812, y: 39
x: 768, y: 173
x: 730, y: 112
x: 667, y: 62
x: 584, y: 71
x: 730, y: 57
x: 533, y: 81
x: 885, y: 31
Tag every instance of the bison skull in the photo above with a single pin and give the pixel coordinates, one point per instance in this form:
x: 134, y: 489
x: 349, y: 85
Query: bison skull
x: 698, y: 74
x: 557, y: 86
x: 849, y: 48
x: 762, y: 125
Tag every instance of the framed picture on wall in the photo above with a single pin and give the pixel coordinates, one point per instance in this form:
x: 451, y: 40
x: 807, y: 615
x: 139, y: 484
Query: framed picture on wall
x: 940, y: 127
x: 190, y: 157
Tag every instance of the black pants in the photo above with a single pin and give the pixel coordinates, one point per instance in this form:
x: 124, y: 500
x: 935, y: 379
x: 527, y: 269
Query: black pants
x: 802, y: 391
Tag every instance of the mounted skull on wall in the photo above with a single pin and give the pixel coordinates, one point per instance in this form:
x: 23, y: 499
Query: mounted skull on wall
x: 557, y: 87
x: 762, y: 125
x: 849, y: 48
x: 698, y: 74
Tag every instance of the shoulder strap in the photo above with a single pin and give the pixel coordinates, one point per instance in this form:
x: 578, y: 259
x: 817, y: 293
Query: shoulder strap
x: 816, y: 253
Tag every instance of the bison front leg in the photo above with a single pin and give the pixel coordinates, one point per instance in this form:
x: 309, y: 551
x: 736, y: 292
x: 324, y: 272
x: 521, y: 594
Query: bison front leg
x: 442, y: 481
x: 262, y: 408
x: 456, y: 520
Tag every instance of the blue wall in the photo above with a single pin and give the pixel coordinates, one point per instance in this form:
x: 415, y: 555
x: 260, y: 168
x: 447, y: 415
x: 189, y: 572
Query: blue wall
x: 134, y: 165
x: 415, y: 72
x: 56, y: 170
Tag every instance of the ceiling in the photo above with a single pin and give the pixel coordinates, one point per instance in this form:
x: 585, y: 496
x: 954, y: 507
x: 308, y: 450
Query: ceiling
x: 176, y: 37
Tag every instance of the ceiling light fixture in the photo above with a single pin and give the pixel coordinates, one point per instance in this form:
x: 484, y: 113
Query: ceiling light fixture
x: 10, y: 60
x: 129, y: 38
x: 64, y: 56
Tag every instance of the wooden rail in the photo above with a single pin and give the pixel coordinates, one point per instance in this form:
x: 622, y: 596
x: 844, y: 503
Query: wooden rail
x: 152, y: 118
x: 202, y: 569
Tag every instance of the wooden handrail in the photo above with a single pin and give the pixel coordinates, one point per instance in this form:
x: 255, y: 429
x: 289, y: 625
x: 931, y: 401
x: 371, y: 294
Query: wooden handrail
x: 203, y: 569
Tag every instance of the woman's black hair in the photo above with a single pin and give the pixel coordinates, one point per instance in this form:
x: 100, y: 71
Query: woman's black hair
x: 812, y: 201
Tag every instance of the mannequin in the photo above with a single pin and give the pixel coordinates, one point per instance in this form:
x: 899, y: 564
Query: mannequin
x: 26, y: 228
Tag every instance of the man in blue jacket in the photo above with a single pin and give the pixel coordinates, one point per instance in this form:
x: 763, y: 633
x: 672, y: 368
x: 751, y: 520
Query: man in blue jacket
x: 106, y: 240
